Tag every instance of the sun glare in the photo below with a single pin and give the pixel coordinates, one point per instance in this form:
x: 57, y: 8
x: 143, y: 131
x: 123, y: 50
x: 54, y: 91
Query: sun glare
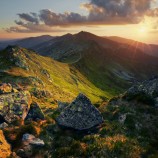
x: 143, y: 30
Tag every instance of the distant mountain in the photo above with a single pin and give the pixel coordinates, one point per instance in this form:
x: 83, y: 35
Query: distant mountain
x: 110, y: 66
x: 35, y: 92
x: 97, y: 58
x: 150, y: 49
x: 70, y: 45
x: 29, y: 43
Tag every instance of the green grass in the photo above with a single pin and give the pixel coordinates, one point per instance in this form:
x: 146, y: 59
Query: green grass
x: 63, y: 84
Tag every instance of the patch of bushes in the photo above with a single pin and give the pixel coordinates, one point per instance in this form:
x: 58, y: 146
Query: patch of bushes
x: 141, y: 97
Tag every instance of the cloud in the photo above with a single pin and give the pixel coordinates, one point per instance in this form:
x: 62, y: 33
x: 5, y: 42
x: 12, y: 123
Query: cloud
x: 32, y: 17
x: 51, y: 18
x: 32, y: 28
x: 99, y: 12
x: 117, y: 11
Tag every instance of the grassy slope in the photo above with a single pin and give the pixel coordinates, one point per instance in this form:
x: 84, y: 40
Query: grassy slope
x: 99, y: 59
x: 65, y: 81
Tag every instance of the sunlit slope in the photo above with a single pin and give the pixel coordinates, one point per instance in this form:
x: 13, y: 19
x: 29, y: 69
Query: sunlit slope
x: 63, y: 81
x: 109, y: 65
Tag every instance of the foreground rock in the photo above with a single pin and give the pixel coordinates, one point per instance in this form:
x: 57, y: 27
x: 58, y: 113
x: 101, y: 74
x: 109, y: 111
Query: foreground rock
x: 3, y: 125
x: 80, y: 115
x: 14, y: 106
x: 29, y: 144
x: 146, y: 92
x: 5, y: 149
x: 29, y: 139
x: 35, y: 113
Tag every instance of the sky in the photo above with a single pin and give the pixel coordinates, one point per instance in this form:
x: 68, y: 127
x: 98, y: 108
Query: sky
x: 132, y: 19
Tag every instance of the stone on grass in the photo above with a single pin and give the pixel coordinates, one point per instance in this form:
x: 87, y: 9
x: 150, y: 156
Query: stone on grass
x: 80, y: 115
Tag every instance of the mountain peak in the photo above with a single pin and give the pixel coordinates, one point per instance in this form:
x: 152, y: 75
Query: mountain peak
x: 84, y: 33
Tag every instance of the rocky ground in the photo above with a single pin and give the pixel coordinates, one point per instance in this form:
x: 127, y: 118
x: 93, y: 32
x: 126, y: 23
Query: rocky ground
x: 124, y: 127
x: 43, y: 113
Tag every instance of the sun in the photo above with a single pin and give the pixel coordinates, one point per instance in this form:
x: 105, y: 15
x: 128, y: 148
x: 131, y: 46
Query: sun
x: 143, y: 30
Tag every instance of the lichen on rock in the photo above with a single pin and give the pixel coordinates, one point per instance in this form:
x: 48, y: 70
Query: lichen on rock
x: 15, y: 106
x: 80, y: 115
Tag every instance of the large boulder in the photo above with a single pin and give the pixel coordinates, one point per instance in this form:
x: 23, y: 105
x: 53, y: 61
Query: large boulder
x: 35, y: 113
x: 80, y: 115
x: 146, y: 92
x: 5, y: 149
x: 14, y: 106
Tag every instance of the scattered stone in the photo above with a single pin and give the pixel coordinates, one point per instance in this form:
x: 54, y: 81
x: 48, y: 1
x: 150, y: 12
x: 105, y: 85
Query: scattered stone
x: 35, y: 113
x: 30, y: 144
x: 17, y: 57
x: 29, y: 139
x: 122, y: 118
x: 40, y: 93
x: 5, y: 149
x: 80, y: 115
x: 3, y: 125
x: 15, y: 106
x: 45, y: 72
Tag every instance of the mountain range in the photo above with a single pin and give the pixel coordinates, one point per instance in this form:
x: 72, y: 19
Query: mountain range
x: 111, y: 64
x: 115, y: 111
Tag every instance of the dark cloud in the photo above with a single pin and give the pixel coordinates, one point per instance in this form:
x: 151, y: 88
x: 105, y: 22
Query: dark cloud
x: 99, y: 12
x: 51, y: 18
x: 32, y: 17
x: 117, y: 11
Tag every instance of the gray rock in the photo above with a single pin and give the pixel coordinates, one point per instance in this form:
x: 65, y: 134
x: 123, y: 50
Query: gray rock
x: 35, y: 113
x: 15, y: 106
x: 148, y: 89
x: 122, y: 118
x: 3, y: 125
x: 29, y: 139
x: 80, y: 115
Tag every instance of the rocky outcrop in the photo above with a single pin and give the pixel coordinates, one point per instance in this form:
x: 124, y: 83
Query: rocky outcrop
x: 146, y: 92
x: 5, y: 149
x: 17, y: 56
x: 137, y: 108
x: 80, y: 115
x: 35, y: 113
x: 14, y: 105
